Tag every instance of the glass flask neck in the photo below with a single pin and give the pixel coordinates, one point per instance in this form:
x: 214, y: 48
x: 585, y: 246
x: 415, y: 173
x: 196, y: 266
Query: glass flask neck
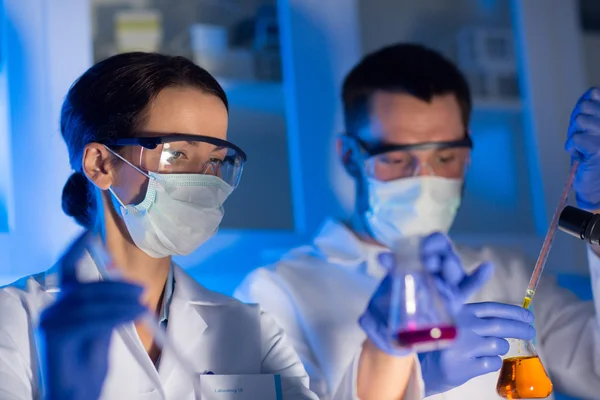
x: 407, y: 253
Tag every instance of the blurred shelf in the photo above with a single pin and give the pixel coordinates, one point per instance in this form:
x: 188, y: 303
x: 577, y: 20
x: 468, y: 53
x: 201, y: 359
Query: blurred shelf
x: 261, y: 96
x: 494, y: 105
x: 133, y: 3
x: 269, y: 96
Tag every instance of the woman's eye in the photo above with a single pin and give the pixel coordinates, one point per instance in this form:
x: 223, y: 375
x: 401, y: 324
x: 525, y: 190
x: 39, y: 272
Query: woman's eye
x: 176, y: 155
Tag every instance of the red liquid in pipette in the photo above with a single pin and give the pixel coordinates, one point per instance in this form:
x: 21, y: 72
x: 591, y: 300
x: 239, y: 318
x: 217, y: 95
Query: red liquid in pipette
x: 411, y: 338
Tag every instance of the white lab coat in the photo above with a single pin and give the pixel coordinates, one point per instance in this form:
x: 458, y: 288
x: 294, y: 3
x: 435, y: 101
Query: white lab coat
x: 317, y: 293
x: 217, y: 333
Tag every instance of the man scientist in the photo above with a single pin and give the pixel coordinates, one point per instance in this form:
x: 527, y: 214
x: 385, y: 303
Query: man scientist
x: 407, y: 146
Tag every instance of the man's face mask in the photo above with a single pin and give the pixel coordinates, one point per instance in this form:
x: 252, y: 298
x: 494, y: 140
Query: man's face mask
x: 190, y: 177
x: 402, y: 201
x: 414, y: 206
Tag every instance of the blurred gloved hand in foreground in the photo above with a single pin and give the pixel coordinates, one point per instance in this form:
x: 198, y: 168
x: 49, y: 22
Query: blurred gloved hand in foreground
x: 77, y: 329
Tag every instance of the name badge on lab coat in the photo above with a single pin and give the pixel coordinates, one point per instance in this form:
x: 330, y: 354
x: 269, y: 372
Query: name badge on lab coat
x: 240, y: 387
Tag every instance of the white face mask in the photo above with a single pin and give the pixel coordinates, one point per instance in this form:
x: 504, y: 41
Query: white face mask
x: 415, y: 206
x: 179, y: 213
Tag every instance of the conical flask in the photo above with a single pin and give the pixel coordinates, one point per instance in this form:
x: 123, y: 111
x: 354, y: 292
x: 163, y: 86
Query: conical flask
x: 418, y: 317
x: 522, y: 375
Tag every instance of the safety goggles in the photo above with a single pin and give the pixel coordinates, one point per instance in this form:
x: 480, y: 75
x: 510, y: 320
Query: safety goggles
x: 386, y: 162
x: 187, y: 154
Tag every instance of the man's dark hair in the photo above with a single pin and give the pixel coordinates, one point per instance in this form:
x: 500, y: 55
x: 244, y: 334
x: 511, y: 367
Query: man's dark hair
x: 402, y: 68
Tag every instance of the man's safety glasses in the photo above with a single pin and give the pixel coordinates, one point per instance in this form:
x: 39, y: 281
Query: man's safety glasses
x: 187, y: 154
x: 386, y: 162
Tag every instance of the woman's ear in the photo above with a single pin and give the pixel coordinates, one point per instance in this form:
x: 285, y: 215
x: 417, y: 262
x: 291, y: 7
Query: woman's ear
x: 347, y: 153
x: 98, y: 165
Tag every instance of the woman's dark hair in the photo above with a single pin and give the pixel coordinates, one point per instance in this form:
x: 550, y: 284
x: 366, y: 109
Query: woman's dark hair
x: 110, y: 100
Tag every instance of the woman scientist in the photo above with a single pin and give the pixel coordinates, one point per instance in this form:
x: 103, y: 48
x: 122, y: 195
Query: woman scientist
x: 146, y: 136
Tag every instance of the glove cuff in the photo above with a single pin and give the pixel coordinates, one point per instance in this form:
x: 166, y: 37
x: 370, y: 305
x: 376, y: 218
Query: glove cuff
x: 587, y: 205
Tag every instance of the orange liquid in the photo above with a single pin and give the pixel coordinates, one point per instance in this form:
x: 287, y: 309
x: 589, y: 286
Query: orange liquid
x: 523, y: 378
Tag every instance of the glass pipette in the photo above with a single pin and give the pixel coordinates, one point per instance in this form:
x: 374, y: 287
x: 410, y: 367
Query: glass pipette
x: 543, y: 256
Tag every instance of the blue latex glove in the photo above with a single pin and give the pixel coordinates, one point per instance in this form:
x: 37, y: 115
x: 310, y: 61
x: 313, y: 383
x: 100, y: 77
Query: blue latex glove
x: 583, y: 143
x: 437, y: 257
x: 482, y: 328
x: 77, y: 328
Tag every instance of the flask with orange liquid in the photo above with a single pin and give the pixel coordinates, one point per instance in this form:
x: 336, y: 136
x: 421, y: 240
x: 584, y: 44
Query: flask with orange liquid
x: 523, y: 375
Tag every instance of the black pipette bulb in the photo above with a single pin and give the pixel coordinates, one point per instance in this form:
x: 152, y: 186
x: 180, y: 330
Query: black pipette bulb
x: 582, y: 224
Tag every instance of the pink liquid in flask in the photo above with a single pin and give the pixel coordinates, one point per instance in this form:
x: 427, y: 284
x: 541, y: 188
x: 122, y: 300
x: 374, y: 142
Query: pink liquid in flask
x: 430, y: 337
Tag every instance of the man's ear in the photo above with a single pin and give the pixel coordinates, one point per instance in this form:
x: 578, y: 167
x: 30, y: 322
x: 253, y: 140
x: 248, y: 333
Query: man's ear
x: 347, y: 153
x: 98, y: 165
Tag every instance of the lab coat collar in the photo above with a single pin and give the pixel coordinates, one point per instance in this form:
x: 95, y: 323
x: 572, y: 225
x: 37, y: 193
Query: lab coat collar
x: 163, y: 317
x: 188, y: 289
x: 87, y: 271
x: 185, y: 327
x: 337, y: 244
x: 190, y: 309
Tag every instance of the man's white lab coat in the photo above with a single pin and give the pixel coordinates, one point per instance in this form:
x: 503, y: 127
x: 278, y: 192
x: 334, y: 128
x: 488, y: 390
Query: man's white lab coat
x: 217, y: 333
x: 317, y: 293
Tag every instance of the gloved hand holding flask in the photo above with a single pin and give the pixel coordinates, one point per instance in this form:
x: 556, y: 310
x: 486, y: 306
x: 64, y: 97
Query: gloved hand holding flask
x: 419, y: 301
x: 481, y: 328
x: 477, y: 350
